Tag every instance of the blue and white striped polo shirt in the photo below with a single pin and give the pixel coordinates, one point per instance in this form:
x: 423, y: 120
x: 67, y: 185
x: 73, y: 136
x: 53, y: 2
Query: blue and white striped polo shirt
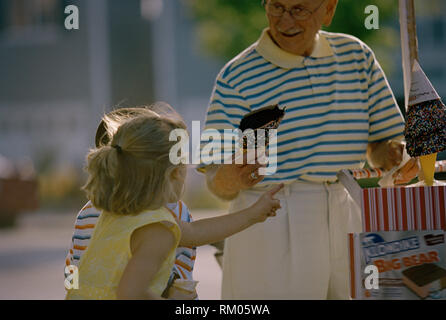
x: 338, y: 100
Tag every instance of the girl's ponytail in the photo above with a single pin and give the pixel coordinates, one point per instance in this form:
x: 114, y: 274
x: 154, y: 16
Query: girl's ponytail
x: 102, y: 166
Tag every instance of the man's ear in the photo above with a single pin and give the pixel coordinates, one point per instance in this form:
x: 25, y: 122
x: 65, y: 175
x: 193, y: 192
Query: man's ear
x: 330, y: 11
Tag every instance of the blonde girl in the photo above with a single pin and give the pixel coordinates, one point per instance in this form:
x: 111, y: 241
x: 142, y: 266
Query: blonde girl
x: 132, y: 249
x: 88, y: 216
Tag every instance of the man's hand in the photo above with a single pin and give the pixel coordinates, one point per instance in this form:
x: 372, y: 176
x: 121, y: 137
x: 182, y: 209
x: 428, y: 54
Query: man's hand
x: 231, y: 178
x: 227, y: 180
x: 386, y: 154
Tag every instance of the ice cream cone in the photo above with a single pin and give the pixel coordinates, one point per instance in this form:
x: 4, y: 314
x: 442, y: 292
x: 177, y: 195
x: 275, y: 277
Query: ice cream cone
x: 428, y: 166
x: 425, y: 129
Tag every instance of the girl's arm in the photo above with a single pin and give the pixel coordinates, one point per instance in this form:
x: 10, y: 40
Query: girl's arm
x: 212, y: 230
x: 150, y: 246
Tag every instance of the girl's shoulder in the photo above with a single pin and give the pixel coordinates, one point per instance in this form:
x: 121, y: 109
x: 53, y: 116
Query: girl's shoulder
x: 145, y: 217
x: 115, y: 230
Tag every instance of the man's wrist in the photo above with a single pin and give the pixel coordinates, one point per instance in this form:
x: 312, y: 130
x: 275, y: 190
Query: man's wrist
x: 224, y: 191
x: 378, y: 154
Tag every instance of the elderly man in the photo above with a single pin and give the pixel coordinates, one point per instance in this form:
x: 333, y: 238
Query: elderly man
x: 340, y: 112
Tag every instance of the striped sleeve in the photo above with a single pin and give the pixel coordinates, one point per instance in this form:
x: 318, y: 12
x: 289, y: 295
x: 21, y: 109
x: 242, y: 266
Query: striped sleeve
x: 227, y: 106
x: 226, y: 109
x: 83, y: 229
x: 385, y: 118
x: 84, y: 225
x: 185, y: 256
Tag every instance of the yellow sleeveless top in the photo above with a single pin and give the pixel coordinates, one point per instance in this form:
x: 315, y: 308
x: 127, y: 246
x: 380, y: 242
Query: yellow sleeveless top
x: 107, y: 255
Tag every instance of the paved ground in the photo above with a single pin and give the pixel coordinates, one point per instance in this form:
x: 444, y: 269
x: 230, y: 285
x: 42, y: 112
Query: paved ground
x: 32, y: 258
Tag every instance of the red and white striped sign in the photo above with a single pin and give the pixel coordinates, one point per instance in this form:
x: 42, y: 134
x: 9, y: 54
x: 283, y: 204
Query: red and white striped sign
x: 404, y: 208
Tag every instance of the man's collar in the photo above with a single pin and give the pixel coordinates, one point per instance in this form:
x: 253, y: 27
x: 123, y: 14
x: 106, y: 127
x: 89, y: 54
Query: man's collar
x: 274, y: 54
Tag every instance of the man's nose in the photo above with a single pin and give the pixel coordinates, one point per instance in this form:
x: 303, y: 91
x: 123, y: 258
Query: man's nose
x: 286, y: 20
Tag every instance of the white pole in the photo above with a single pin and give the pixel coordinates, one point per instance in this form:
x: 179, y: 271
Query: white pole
x: 99, y: 57
x: 409, y: 45
x: 164, y: 49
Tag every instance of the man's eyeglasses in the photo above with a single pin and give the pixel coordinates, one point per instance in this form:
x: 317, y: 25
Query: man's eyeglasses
x: 298, y: 12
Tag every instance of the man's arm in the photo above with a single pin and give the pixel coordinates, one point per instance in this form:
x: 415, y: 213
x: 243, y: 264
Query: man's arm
x: 386, y: 123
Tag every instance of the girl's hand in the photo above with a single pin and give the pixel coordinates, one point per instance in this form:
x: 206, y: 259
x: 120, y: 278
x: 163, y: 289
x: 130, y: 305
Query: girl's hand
x: 266, y: 206
x: 175, y: 293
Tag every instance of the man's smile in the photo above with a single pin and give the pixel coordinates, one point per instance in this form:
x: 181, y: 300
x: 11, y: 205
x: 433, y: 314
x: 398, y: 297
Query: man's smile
x: 290, y: 35
x: 292, y: 32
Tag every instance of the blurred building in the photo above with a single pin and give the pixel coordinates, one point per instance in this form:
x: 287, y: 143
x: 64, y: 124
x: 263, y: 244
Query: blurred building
x: 56, y: 83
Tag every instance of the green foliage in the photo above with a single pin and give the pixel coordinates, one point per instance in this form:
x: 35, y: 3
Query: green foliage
x: 349, y: 18
x: 227, y: 27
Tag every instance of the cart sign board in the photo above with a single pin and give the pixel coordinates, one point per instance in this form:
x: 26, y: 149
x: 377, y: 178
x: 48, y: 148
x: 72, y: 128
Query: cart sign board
x: 398, y: 208
x: 411, y: 265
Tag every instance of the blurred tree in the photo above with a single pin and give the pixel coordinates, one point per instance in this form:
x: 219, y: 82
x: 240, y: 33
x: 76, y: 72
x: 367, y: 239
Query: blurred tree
x: 226, y: 27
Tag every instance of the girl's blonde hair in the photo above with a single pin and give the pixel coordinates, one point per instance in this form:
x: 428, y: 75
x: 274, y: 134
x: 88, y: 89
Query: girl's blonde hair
x: 105, y: 131
x: 133, y: 172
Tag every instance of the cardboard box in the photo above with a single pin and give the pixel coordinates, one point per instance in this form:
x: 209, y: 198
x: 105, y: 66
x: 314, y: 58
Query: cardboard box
x: 398, y: 208
x: 391, y: 219
x: 411, y: 265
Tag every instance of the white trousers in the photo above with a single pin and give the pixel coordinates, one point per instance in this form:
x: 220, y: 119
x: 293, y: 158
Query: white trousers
x: 301, y: 253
